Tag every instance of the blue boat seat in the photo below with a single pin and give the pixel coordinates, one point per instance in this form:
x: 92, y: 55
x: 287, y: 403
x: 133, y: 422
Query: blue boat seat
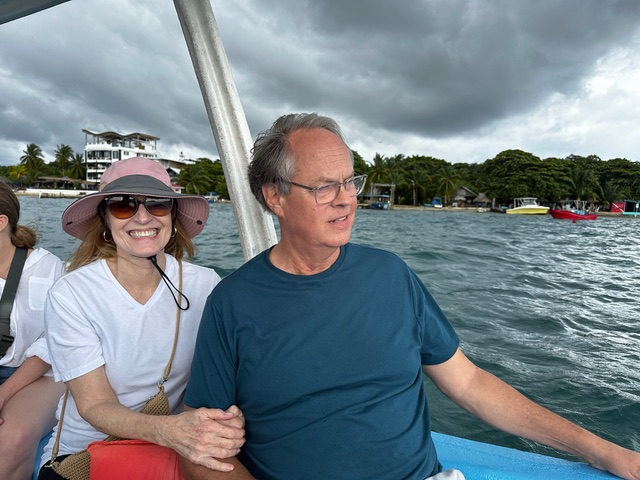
x: 36, y: 466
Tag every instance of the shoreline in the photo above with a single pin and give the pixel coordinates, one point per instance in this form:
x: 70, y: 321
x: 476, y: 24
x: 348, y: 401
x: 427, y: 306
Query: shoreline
x: 61, y: 193
x: 475, y: 210
x: 52, y: 193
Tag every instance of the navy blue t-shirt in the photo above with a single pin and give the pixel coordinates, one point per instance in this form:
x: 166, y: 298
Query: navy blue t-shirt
x: 326, y: 367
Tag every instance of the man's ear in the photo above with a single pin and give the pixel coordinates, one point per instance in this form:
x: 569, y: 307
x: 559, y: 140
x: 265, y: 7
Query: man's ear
x: 272, y: 197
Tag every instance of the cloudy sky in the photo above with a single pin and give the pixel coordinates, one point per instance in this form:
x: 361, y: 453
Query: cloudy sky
x: 460, y: 80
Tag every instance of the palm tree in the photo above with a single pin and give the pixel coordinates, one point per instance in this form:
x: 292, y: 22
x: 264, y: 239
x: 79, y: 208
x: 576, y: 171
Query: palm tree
x: 378, y: 171
x: 419, y: 179
x: 18, y: 172
x: 395, y: 161
x: 607, y: 194
x: 582, y: 182
x: 77, y: 167
x: 63, y: 153
x: 396, y: 178
x: 195, y: 180
x: 447, y: 181
x: 33, y: 159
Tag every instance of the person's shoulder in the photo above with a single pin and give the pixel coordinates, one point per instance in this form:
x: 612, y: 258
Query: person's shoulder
x: 248, y: 271
x: 373, y: 260
x: 372, y: 253
x: 91, y: 272
x: 199, y: 271
x: 44, y: 263
x: 194, y: 267
x: 41, y: 254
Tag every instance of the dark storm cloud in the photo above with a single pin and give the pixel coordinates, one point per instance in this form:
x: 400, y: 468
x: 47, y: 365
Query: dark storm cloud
x: 431, y: 67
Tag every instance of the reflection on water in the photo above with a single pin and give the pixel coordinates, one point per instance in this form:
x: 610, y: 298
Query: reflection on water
x: 548, y: 305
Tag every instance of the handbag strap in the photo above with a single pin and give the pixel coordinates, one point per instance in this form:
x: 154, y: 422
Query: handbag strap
x: 8, y: 294
x: 167, y: 371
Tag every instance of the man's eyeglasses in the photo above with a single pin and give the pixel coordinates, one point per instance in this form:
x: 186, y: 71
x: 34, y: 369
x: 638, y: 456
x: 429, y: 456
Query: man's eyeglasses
x: 126, y: 206
x: 329, y: 192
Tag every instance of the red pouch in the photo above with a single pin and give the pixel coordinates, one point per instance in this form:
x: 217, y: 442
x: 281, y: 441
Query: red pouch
x: 133, y: 460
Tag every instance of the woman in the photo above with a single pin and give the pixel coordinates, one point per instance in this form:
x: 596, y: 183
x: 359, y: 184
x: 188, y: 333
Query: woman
x: 28, y: 397
x: 111, y: 320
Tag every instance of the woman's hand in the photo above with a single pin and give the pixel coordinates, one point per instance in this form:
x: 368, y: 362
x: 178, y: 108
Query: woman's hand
x: 205, y: 435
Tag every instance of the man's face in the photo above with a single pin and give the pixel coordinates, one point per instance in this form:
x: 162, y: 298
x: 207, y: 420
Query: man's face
x: 321, y: 158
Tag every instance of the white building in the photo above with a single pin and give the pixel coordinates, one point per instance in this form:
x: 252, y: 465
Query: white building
x: 101, y: 149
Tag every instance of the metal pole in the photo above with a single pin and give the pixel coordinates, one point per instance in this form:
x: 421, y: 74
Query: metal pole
x: 227, y: 119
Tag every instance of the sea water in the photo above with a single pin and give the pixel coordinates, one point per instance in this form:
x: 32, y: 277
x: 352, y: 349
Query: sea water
x: 549, y: 306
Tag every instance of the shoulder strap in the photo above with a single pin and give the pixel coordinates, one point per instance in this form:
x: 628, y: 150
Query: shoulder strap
x: 167, y: 369
x: 8, y: 294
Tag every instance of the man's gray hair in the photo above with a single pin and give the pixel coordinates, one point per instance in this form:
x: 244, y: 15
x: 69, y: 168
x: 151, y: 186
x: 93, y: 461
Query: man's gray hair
x: 271, y: 157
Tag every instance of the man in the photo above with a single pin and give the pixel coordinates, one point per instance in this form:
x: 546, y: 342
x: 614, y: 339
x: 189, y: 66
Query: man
x: 323, y: 343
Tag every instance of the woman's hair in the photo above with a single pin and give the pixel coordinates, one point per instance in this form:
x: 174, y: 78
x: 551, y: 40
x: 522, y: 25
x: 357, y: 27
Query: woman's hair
x: 98, y: 242
x: 21, y: 236
x: 272, y: 161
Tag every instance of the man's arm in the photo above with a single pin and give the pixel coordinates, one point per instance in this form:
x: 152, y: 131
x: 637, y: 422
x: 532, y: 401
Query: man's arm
x: 192, y: 471
x: 500, y: 405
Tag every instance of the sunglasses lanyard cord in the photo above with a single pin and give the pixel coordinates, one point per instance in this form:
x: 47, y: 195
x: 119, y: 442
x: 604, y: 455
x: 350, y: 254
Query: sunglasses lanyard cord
x: 169, y: 284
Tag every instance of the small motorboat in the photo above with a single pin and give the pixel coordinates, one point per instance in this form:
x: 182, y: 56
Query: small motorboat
x: 527, y: 206
x: 574, y: 210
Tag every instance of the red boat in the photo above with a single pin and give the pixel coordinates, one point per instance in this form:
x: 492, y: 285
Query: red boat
x: 574, y: 210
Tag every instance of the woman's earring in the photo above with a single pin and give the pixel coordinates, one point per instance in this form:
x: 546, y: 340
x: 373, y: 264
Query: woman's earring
x: 175, y: 231
x: 104, y: 236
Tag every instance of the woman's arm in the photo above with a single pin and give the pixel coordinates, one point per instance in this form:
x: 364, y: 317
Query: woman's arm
x: 202, y: 435
x: 31, y: 370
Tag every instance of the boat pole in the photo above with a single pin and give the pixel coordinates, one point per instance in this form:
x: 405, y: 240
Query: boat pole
x: 228, y: 122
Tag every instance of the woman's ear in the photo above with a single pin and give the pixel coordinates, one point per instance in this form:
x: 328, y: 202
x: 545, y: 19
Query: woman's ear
x: 4, y: 222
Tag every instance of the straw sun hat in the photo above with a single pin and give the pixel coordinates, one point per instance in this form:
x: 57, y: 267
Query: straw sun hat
x: 135, y: 176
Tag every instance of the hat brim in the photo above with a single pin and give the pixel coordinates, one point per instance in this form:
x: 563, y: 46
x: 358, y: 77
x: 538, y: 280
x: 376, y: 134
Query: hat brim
x: 192, y: 210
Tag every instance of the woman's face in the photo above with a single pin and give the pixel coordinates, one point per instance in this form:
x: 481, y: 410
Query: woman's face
x: 144, y: 234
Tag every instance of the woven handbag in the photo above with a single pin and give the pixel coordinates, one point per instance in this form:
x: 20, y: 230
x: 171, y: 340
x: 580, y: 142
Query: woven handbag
x: 77, y: 466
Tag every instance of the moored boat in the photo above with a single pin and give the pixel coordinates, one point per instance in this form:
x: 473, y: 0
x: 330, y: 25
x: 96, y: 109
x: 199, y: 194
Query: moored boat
x: 527, y: 206
x: 574, y: 210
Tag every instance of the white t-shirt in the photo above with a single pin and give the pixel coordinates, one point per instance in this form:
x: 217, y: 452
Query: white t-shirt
x: 93, y: 321
x: 41, y: 269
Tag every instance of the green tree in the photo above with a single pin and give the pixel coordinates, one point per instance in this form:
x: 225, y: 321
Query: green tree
x: 77, y: 167
x: 447, y: 179
x: 379, y: 170
x: 582, y: 184
x: 515, y: 173
x: 33, y: 159
x: 607, y: 194
x: 63, y: 154
x: 359, y: 165
x: 18, y: 173
x: 195, y: 180
x: 396, y: 177
x: 419, y: 179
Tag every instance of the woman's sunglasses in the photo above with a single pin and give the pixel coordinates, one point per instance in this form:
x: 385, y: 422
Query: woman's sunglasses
x: 126, y: 206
